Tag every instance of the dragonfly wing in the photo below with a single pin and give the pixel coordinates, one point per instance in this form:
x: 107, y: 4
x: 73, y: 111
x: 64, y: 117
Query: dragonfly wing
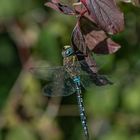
x: 46, y: 73
x: 88, y: 77
x: 58, y: 81
x: 59, y: 87
x: 88, y: 80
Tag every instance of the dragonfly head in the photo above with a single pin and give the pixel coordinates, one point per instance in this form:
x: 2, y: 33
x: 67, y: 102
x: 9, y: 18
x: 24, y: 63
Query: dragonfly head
x: 67, y: 51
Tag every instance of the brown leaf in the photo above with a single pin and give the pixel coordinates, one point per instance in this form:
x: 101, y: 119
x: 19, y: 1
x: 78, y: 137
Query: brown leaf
x: 106, y: 14
x: 95, y: 39
x: 78, y: 40
x: 106, y: 46
x: 65, y: 9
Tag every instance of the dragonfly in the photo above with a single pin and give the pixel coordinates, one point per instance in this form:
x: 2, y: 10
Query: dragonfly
x: 68, y: 79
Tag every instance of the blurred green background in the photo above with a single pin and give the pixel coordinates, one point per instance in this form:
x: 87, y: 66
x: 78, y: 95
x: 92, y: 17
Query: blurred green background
x: 31, y: 33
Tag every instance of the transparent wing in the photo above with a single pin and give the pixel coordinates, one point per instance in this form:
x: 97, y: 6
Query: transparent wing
x: 90, y: 79
x: 59, y: 87
x: 57, y: 81
x: 46, y: 73
x: 88, y: 76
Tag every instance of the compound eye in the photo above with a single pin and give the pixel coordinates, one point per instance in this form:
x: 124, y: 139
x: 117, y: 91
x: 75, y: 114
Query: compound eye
x: 67, y: 52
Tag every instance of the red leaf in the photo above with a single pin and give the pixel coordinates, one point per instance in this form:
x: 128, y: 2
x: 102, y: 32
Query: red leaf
x: 107, y: 46
x: 78, y: 40
x: 106, y: 14
x: 81, y: 10
x: 65, y: 9
x: 95, y: 39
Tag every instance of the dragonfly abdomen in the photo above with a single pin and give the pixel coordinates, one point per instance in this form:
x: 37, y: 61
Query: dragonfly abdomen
x: 77, y: 82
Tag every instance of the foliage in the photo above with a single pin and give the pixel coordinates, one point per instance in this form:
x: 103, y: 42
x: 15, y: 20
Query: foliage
x: 29, y: 32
